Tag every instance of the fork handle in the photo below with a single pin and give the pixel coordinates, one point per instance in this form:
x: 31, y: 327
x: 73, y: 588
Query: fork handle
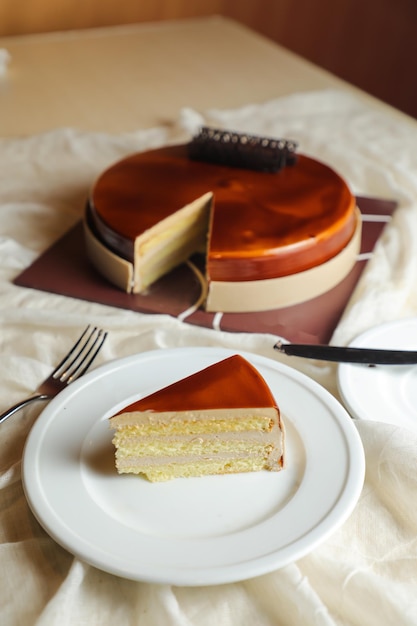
x: 20, y: 405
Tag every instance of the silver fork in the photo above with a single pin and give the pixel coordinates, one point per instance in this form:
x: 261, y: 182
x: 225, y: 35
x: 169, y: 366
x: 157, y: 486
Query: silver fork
x: 72, y: 366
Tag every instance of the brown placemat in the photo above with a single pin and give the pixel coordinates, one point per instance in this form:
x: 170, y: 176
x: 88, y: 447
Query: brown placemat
x: 65, y: 269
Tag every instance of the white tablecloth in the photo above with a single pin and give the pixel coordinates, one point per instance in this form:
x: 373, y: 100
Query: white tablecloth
x: 366, y: 572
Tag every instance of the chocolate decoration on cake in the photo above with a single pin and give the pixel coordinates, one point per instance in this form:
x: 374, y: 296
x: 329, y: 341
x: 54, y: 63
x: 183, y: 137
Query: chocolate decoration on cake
x: 241, y: 150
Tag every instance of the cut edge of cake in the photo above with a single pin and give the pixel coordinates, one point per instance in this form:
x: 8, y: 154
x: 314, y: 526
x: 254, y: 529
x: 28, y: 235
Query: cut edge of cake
x: 157, y: 251
x: 171, y: 242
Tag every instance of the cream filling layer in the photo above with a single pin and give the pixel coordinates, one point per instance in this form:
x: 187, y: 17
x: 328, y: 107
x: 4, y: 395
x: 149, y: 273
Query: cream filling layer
x: 213, y: 419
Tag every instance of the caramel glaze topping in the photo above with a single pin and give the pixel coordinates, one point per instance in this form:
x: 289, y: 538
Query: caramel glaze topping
x: 263, y: 225
x: 229, y: 384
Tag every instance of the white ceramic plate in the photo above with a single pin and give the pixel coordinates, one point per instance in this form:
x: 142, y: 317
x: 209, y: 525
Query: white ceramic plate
x: 383, y: 393
x: 194, y: 531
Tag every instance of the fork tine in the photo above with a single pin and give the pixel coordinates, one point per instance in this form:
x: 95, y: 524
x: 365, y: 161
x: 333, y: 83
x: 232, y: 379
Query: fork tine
x: 78, y: 354
x: 88, y: 357
x: 71, y: 352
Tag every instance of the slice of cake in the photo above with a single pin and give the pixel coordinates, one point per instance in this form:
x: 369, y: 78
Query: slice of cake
x: 220, y: 420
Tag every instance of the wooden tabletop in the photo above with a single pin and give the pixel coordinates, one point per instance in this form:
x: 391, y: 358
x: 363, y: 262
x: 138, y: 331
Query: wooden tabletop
x: 124, y: 78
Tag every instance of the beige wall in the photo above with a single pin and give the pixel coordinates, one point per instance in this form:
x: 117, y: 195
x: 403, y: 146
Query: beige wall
x: 32, y: 16
x: 370, y: 43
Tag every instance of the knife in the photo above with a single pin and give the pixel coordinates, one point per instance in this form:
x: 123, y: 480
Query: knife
x: 341, y: 354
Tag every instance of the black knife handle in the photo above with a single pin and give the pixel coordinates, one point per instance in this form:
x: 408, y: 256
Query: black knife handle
x: 341, y: 354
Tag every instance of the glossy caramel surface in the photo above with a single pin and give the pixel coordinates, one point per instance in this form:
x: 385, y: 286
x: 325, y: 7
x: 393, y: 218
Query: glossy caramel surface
x: 229, y: 384
x: 263, y: 225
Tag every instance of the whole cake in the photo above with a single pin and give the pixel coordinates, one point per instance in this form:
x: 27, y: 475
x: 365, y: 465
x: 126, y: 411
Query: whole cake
x: 221, y: 420
x: 270, y: 239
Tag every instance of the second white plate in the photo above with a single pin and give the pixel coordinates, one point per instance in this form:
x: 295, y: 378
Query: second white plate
x: 194, y: 531
x: 383, y: 393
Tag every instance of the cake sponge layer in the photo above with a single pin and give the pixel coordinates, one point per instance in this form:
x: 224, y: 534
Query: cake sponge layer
x: 170, y: 470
